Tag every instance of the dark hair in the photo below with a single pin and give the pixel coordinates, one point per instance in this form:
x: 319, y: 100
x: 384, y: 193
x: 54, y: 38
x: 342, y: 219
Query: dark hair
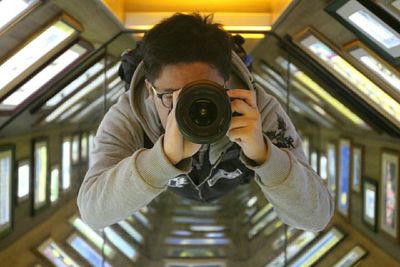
x: 186, y: 39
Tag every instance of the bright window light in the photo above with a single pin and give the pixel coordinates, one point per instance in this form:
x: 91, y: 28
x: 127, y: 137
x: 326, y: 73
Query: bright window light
x: 328, y: 98
x: 182, y: 233
x: 116, y: 92
x: 251, y: 201
x: 92, y: 71
x: 319, y: 248
x: 142, y: 219
x: 79, y: 95
x: 71, y: 111
x: 294, y: 247
x: 268, y: 218
x: 23, y: 62
x: 5, y: 189
x: 11, y: 9
x: 84, y: 249
x: 55, y: 254
x: 192, y: 220
x: 54, y: 184
x: 314, y: 161
x: 296, y: 104
x: 94, y: 237
x: 44, y: 76
x: 372, y: 26
x: 197, y: 241
x: 207, y: 228
x: 23, y: 179
x: 206, y: 208
x: 215, y: 235
x: 391, y: 78
x: 123, y: 246
x: 323, y: 167
x: 132, y: 232
x: 84, y: 146
x: 360, y: 84
x: 66, y: 163
x: 40, y: 174
x: 267, y: 208
x: 75, y: 148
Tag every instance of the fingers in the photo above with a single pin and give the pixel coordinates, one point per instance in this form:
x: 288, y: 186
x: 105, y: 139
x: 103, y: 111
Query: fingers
x: 239, y: 122
x: 237, y: 134
x: 246, y: 95
x: 243, y: 108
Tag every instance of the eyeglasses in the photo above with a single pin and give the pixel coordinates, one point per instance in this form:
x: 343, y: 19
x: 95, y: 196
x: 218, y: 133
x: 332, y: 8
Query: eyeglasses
x: 166, y: 98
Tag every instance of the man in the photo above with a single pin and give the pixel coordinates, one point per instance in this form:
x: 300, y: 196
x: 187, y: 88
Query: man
x: 262, y: 143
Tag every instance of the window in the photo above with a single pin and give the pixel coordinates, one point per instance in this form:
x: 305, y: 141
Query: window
x: 13, y: 10
x: 293, y: 248
x: 73, y: 100
x: 352, y: 257
x: 128, y: 250
x: 34, y: 53
x: 75, y: 148
x: 356, y: 81
x: 40, y: 172
x: 322, y: 93
x: 78, y: 82
x: 54, y: 184
x: 319, y: 248
x: 196, y: 241
x: 32, y: 86
x: 376, y: 66
x: 6, y: 172
x: 84, y: 146
x: 331, y: 148
x: 344, y: 177
x: 373, y: 27
x: 55, y: 254
x: 84, y: 249
x: 91, y: 235
x: 66, y: 163
x: 111, y: 97
x: 267, y: 219
x: 23, y: 179
x: 132, y: 232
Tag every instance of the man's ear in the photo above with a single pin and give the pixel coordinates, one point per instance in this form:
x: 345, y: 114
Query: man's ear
x: 149, y: 89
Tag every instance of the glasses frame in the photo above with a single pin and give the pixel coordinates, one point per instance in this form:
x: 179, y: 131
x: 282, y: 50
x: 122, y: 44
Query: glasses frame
x: 160, y: 95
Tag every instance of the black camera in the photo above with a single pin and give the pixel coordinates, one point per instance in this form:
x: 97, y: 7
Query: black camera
x: 203, y: 111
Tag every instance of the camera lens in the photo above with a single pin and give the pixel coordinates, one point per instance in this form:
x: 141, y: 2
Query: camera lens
x: 203, y: 112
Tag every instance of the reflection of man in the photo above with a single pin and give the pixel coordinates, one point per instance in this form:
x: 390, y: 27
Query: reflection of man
x: 262, y: 143
x: 390, y: 197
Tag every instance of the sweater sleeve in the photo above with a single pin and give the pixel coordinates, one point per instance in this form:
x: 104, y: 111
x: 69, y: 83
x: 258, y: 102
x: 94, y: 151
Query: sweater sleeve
x: 286, y: 179
x: 123, y: 176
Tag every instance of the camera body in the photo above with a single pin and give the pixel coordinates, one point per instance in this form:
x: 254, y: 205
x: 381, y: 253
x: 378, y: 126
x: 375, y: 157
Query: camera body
x: 203, y: 112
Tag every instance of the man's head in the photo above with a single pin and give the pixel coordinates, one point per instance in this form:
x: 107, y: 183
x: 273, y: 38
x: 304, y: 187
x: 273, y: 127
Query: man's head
x: 181, y: 49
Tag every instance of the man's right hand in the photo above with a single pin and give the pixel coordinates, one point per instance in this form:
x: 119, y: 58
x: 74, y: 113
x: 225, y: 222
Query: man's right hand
x: 176, y: 147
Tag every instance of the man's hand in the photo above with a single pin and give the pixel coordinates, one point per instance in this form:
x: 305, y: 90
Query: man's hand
x: 176, y: 147
x: 246, y: 130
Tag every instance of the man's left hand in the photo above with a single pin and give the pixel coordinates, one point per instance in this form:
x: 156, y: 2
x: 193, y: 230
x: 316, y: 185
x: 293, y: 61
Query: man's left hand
x: 246, y: 129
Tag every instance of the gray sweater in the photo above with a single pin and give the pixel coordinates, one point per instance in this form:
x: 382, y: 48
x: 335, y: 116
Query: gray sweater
x: 123, y: 176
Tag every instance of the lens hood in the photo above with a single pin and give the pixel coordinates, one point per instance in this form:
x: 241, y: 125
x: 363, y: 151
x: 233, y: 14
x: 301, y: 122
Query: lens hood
x: 203, y: 111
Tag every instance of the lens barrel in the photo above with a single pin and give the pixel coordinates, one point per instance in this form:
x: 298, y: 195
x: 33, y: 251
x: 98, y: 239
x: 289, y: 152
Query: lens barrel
x: 203, y: 112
